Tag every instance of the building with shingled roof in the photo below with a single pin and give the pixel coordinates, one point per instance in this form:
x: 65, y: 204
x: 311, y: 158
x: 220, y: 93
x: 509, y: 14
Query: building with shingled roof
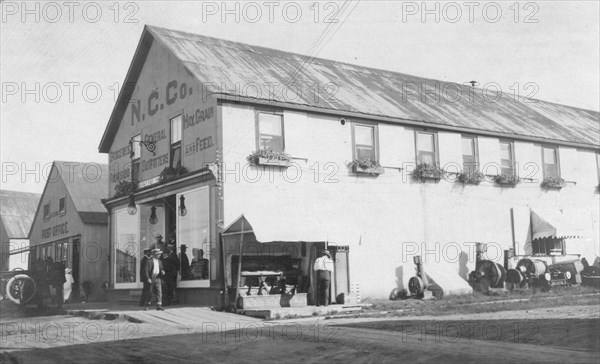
x: 17, y: 210
x: 245, y: 153
x: 71, y: 225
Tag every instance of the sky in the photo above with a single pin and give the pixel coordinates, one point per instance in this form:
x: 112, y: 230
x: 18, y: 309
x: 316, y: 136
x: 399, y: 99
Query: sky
x: 62, y: 63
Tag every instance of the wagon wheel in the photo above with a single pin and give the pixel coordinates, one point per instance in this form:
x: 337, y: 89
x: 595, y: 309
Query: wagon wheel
x: 20, y: 289
x: 491, y: 272
x: 416, y: 285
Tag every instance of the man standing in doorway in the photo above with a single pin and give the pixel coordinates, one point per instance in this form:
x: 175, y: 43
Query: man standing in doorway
x: 323, y: 267
x: 144, y: 277
x: 155, y: 272
x: 171, y: 264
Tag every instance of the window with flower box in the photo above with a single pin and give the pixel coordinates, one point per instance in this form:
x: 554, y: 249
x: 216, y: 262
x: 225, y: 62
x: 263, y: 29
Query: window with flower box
x: 507, y: 159
x: 550, y: 162
x: 426, y: 146
x: 470, y: 155
x: 269, y: 126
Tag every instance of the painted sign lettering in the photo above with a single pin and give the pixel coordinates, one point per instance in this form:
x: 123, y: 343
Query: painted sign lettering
x: 172, y: 92
x: 55, y: 230
x: 198, y: 117
x: 198, y: 145
x: 152, y: 163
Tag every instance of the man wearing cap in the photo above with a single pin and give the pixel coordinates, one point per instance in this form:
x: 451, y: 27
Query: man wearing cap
x: 146, y: 291
x: 171, y: 264
x: 154, y: 273
x: 323, y: 267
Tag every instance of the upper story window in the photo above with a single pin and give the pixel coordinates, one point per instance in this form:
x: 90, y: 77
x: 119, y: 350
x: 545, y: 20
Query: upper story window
x: 62, y: 206
x: 550, y: 162
x: 365, y: 146
x: 270, y: 131
x: 136, y: 154
x: 426, y: 147
x: 470, y: 154
x: 47, y: 211
x: 176, y: 141
x: 507, y: 159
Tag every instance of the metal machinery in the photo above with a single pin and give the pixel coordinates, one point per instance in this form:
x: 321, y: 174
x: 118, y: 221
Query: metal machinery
x: 419, y: 283
x: 487, y: 274
x: 545, y: 272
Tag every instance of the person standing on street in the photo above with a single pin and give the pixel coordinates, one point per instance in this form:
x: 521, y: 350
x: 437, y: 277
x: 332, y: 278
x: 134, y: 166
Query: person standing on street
x: 144, y: 277
x: 323, y: 267
x: 171, y: 264
x: 155, y: 272
x: 68, y: 285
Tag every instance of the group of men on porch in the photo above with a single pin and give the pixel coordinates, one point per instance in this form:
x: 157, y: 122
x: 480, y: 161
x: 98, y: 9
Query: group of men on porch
x: 158, y: 272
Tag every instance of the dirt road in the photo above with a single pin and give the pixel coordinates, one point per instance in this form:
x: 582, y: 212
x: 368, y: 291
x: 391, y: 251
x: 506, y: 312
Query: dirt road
x: 314, y: 340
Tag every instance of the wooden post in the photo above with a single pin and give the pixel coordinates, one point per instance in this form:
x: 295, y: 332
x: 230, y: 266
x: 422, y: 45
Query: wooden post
x: 239, y: 272
x: 223, y: 260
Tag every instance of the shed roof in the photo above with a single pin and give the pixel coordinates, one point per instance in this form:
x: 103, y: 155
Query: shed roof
x: 17, y: 210
x: 87, y: 184
x: 360, y: 90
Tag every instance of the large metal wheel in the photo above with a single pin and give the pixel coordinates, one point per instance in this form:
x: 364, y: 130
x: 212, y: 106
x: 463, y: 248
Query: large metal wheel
x: 20, y: 289
x: 416, y: 285
x: 492, y: 272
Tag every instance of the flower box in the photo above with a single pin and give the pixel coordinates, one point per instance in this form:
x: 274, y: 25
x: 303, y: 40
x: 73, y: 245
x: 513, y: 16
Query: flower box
x: 553, y: 183
x: 425, y: 171
x: 366, y: 166
x: 272, y: 162
x: 267, y: 157
x: 372, y: 170
x: 506, y: 181
x: 474, y: 178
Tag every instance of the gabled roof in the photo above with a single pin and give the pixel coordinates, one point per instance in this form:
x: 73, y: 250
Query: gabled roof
x: 17, y: 211
x: 87, y: 185
x: 360, y: 91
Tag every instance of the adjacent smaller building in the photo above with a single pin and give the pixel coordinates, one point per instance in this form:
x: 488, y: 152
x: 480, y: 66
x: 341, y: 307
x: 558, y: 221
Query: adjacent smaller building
x: 71, y: 225
x: 17, y: 210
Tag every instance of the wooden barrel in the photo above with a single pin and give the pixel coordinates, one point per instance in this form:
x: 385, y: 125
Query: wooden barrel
x: 532, y: 267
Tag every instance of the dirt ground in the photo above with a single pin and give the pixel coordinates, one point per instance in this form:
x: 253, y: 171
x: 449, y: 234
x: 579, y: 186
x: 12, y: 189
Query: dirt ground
x: 549, y: 335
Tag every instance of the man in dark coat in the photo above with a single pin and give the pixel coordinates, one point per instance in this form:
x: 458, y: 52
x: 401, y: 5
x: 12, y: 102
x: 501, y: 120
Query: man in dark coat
x: 171, y: 264
x: 143, y: 277
x: 56, y: 277
x: 186, y: 272
x: 153, y: 276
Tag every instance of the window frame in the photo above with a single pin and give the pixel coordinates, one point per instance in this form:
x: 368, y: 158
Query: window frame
x: 64, y: 209
x: 475, y: 167
x: 511, y: 143
x: 258, y: 134
x: 556, y: 157
x: 375, y: 128
x: 47, y: 216
x: 175, y: 145
x: 135, y: 161
x: 436, y: 151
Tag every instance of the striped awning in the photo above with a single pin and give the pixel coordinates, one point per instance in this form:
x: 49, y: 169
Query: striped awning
x: 555, y: 223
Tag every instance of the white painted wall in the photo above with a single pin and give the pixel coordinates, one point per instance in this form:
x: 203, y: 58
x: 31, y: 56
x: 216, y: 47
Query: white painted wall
x: 386, y: 219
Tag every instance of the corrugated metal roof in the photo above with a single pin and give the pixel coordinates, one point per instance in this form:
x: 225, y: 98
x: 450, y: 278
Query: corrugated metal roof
x: 87, y: 184
x: 372, y: 91
x: 17, y: 210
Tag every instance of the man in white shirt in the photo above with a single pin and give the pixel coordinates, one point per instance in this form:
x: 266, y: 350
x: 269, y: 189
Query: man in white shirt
x: 323, y: 267
x: 153, y: 276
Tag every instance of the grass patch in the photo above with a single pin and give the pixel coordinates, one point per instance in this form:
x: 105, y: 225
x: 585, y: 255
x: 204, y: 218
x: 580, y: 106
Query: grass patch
x: 477, y: 302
